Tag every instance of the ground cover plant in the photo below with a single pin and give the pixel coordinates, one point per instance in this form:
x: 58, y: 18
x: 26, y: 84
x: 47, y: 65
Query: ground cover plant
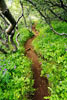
x: 16, y: 78
x: 18, y: 18
x: 52, y: 49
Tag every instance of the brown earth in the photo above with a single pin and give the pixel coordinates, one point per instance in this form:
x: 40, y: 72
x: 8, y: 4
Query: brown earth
x: 40, y: 83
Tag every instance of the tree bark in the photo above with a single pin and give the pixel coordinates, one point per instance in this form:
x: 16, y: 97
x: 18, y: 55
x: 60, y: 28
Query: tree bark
x: 8, y: 15
x: 10, y: 30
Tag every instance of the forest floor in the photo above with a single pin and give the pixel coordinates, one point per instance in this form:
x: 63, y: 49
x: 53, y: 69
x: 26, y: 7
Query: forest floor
x: 40, y: 83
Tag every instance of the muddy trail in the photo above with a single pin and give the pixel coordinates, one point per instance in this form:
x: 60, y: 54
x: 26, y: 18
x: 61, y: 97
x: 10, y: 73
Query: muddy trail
x: 40, y: 83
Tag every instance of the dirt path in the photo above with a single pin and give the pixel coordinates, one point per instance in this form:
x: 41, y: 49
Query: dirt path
x: 41, y: 83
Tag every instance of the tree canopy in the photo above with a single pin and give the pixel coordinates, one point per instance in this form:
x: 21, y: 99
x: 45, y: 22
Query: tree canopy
x: 49, y: 10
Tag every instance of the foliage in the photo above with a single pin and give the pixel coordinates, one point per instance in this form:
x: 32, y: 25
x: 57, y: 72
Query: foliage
x: 15, y: 71
x: 25, y: 34
x: 16, y: 79
x: 53, y: 51
x: 51, y: 8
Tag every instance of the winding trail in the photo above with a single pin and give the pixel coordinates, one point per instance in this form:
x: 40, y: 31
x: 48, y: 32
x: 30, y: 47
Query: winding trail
x: 40, y: 83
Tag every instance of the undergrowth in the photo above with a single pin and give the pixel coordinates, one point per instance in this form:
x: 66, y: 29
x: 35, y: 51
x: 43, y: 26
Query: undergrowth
x: 16, y: 78
x: 53, y: 51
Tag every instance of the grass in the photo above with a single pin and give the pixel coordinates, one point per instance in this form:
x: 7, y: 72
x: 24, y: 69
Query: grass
x: 53, y: 50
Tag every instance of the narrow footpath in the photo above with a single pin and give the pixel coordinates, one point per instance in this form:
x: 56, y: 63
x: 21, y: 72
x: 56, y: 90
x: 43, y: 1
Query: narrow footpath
x: 40, y: 83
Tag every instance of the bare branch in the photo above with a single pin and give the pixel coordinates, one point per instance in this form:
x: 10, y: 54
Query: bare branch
x: 62, y: 19
x: 3, y: 51
x: 12, y: 42
x: 64, y: 7
x: 61, y: 34
x: 22, y: 15
x: 4, y: 42
x: 1, y: 15
x: 17, y: 38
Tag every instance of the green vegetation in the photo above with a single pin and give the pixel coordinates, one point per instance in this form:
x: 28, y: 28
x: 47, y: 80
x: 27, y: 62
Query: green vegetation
x: 16, y: 79
x: 25, y: 34
x: 18, y: 16
x: 53, y: 51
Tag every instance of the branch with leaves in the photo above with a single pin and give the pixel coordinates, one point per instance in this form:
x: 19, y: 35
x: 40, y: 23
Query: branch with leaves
x: 46, y: 18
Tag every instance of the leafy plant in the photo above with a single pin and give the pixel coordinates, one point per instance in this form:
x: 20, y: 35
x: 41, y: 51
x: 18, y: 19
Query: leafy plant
x: 16, y: 78
x: 53, y: 51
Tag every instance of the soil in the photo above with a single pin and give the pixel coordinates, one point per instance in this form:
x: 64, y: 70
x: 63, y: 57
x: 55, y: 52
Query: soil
x: 40, y: 83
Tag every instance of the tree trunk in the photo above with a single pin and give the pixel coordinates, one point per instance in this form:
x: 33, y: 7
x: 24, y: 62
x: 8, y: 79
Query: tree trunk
x: 10, y: 30
x: 8, y: 15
